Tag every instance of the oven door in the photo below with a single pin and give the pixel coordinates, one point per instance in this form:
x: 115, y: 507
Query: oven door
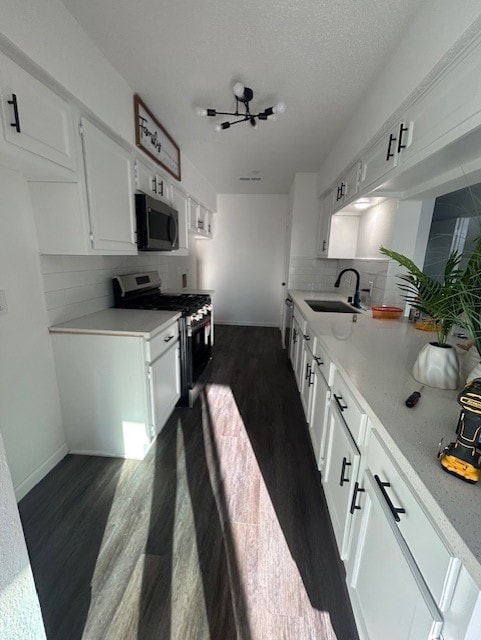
x: 196, y: 351
x: 200, y: 346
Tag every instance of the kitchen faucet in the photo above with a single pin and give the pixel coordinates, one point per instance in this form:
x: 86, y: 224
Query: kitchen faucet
x: 357, y: 294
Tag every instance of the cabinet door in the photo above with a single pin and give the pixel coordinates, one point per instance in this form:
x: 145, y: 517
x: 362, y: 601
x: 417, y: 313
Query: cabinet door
x: 34, y: 117
x: 347, y: 189
x: 318, y: 415
x: 296, y: 351
x: 324, y: 226
x: 445, y: 112
x: 164, y: 386
x: 109, y: 178
x: 193, y: 215
x: 307, y: 379
x: 379, y: 161
x: 388, y: 594
x: 342, y: 464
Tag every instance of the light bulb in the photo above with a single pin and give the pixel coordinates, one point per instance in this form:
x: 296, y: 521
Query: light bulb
x: 238, y: 89
x: 200, y: 111
x: 279, y: 108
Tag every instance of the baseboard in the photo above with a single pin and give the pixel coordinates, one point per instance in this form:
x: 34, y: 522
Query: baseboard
x: 246, y: 324
x: 40, y: 472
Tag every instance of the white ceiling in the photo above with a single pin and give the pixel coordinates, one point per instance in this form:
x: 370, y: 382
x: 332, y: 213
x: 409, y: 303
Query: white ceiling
x: 317, y: 56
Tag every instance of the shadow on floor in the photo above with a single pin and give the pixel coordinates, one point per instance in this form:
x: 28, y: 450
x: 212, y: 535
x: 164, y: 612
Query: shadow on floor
x: 64, y: 518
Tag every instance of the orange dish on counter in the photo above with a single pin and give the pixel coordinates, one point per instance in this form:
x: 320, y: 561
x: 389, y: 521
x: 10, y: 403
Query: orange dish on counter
x: 386, y: 313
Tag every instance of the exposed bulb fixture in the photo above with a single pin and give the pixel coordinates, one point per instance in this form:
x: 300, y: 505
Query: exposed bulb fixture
x: 242, y: 95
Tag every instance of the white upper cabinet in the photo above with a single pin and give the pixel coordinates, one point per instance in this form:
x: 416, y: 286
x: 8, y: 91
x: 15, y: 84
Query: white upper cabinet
x: 347, y: 188
x: 385, y: 155
x: 35, y: 118
x: 324, y: 226
x: 180, y: 202
x: 109, y: 182
x: 448, y: 109
x: 150, y: 182
x: 200, y: 220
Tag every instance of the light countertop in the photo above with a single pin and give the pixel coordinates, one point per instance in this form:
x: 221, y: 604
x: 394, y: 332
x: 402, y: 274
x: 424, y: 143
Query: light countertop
x: 126, y: 322
x: 377, y: 356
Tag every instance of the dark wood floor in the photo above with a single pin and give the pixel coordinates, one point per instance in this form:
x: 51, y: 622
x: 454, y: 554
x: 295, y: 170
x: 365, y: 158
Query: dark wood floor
x: 221, y: 533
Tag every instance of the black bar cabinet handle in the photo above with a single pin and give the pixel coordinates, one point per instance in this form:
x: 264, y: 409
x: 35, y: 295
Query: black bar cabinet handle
x: 354, y: 506
x: 338, y: 401
x: 310, y: 382
x: 402, y: 130
x: 343, y: 186
x: 390, y: 154
x: 394, y: 510
x: 307, y: 336
x: 345, y: 464
x: 13, y: 102
x: 319, y: 361
x: 324, y: 245
x: 294, y: 336
x: 168, y: 339
x: 308, y: 373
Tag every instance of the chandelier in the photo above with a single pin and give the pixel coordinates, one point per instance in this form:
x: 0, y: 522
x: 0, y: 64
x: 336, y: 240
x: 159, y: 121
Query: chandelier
x: 243, y: 95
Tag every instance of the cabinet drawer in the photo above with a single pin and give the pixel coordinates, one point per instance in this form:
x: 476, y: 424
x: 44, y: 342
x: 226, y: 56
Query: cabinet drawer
x: 436, y: 563
x: 353, y: 415
x: 162, y: 341
x: 310, y: 338
x: 301, y: 321
x: 323, y: 361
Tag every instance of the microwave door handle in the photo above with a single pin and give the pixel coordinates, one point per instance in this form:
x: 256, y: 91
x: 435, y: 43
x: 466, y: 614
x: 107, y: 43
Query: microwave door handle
x: 172, y: 236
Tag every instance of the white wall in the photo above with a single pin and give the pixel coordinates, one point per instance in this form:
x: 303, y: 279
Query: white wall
x: 244, y: 262
x: 376, y: 228
x: 20, y: 617
x: 436, y: 28
x: 30, y: 418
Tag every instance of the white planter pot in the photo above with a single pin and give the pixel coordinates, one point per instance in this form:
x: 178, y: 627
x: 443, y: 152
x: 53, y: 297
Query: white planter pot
x: 437, y: 367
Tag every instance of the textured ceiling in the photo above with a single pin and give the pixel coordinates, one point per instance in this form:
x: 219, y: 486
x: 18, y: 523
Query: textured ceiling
x: 317, y: 56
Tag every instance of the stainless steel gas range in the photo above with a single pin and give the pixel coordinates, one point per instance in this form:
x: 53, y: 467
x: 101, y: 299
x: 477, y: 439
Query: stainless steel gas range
x: 142, y: 291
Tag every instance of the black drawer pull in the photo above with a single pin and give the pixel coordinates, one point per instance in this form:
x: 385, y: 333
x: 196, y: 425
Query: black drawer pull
x: 308, y: 371
x: 311, y: 378
x: 168, y: 339
x: 402, y: 130
x: 307, y: 337
x: 394, y: 510
x: 354, y: 506
x: 324, y: 242
x: 338, y: 401
x: 390, y: 154
x: 319, y: 361
x: 294, y: 336
x: 345, y: 464
x: 13, y: 102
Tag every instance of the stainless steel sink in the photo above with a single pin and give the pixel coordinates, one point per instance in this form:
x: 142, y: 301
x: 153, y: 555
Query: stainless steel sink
x: 331, y: 306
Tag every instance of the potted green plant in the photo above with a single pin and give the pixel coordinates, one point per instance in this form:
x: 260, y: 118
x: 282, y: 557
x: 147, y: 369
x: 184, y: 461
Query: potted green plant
x: 437, y: 364
x: 470, y: 303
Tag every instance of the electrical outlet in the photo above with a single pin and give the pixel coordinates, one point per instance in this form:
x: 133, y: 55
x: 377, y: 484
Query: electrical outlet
x: 3, y: 302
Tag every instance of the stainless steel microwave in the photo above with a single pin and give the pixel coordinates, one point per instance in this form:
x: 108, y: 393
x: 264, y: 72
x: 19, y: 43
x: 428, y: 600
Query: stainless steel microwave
x: 157, y: 224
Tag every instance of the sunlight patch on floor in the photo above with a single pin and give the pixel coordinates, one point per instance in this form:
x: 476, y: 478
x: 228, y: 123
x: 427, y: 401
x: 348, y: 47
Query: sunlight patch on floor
x: 275, y: 598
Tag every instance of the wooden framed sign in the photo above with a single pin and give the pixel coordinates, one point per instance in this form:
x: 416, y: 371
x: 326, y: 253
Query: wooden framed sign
x: 153, y: 139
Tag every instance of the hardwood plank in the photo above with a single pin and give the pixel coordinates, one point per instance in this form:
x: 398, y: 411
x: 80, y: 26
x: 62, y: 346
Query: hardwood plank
x: 221, y: 533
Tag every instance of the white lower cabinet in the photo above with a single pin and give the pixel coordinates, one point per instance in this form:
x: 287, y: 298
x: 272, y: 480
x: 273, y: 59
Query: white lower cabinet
x: 116, y: 391
x: 388, y: 593
x: 164, y: 375
x: 340, y: 475
x: 321, y: 394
